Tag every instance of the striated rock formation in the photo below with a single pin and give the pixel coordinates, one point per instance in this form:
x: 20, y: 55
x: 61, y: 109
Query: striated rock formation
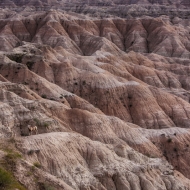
x: 110, y: 98
x: 98, y: 2
x: 106, y: 8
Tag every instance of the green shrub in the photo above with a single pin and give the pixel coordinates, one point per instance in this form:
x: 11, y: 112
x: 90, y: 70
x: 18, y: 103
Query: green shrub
x: 37, y: 121
x: 5, y: 178
x: 48, y: 187
x: 8, y: 182
x: 7, y: 166
x: 41, y: 124
x: 10, y: 159
x: 46, y: 125
x: 37, y: 164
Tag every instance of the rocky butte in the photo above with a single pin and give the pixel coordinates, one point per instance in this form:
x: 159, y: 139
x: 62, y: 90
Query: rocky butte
x: 106, y: 94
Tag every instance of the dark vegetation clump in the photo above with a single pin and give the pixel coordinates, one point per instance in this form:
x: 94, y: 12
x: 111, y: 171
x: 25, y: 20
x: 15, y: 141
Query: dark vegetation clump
x: 7, y: 168
x: 11, y: 159
x: 37, y: 164
x: 45, y: 186
x: 29, y: 64
x: 44, y: 96
x: 41, y: 123
x: 16, y: 57
x: 5, y: 178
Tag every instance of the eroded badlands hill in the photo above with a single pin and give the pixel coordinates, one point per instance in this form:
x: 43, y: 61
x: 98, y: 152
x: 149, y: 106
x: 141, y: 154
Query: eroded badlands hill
x: 176, y: 3
x: 106, y: 8
x: 110, y: 98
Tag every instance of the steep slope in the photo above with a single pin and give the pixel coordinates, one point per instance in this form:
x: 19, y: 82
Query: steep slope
x: 110, y: 98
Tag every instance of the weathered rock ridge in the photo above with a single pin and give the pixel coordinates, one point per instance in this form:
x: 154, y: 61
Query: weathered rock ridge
x: 176, y: 3
x: 110, y: 98
x: 106, y: 8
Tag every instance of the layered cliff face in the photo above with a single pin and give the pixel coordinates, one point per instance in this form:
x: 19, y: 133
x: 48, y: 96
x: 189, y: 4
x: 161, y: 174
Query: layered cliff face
x: 110, y: 98
x: 107, y: 8
x: 99, y: 2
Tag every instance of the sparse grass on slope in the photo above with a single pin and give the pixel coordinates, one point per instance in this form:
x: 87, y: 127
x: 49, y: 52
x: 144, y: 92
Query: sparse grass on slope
x: 8, y: 181
x: 7, y: 167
